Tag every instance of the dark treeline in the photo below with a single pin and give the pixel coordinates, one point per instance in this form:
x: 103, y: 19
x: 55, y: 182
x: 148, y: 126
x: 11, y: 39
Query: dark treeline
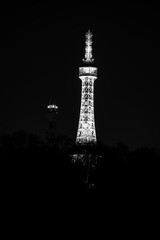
x: 34, y: 168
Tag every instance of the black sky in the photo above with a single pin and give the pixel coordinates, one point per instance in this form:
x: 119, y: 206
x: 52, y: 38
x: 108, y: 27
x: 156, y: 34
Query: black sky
x: 42, y: 47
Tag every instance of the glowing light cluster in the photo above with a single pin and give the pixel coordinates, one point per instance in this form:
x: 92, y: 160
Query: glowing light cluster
x: 52, y: 106
x: 88, y: 48
x: 89, y: 159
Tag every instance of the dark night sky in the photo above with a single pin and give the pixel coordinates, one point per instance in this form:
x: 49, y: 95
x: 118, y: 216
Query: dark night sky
x: 42, y: 47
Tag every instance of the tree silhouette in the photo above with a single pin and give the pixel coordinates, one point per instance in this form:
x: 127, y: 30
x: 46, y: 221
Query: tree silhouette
x: 31, y: 167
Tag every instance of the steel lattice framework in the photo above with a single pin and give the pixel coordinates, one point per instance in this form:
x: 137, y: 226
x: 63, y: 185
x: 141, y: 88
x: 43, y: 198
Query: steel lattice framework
x: 88, y: 74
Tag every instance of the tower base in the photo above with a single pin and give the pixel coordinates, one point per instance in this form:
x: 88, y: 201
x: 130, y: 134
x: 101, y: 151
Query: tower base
x: 89, y: 156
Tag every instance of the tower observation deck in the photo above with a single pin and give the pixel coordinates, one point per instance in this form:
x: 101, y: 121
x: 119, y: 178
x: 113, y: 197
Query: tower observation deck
x: 86, y: 133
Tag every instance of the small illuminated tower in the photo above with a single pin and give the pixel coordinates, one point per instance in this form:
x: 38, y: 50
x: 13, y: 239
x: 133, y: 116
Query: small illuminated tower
x: 86, y: 133
x: 53, y: 111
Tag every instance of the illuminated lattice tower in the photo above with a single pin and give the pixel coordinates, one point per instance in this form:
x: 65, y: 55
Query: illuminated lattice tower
x: 86, y: 133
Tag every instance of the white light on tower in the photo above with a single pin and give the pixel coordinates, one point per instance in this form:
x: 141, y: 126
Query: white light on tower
x: 52, y: 107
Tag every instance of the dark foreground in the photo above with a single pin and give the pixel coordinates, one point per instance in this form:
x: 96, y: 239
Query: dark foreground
x: 41, y: 183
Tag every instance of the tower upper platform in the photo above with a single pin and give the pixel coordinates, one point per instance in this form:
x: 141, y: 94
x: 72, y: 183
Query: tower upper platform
x: 88, y: 71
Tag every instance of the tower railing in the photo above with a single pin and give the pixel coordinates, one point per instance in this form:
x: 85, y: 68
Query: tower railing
x: 88, y: 71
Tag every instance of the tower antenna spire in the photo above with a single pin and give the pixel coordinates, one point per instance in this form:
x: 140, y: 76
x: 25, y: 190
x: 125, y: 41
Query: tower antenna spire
x: 88, y: 49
